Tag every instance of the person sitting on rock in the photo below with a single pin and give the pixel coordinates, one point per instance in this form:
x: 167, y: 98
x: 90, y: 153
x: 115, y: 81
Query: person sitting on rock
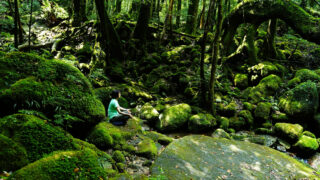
x: 117, y: 115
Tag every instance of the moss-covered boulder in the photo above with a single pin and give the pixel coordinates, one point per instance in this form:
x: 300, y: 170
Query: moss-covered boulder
x: 306, y: 145
x: 262, y: 112
x: 201, y: 122
x: 64, y: 165
x: 266, y: 87
x: 223, y: 123
x: 263, y: 69
x: 279, y: 117
x: 241, y: 81
x: 220, y: 133
x: 55, y: 88
x: 149, y: 113
x: 174, y: 117
x: 301, y: 102
x: 13, y: 156
x: 118, y: 156
x: 247, y: 117
x: 105, y: 135
x: 230, y: 110
x: 158, y: 137
x: 36, y: 135
x: 147, y: 148
x: 304, y: 75
x: 290, y: 132
x: 203, y: 157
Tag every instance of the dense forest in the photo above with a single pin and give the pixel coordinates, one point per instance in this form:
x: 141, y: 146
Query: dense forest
x: 211, y: 89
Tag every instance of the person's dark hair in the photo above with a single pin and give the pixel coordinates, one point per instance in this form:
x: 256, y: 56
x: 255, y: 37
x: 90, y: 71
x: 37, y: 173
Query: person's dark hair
x: 115, y: 94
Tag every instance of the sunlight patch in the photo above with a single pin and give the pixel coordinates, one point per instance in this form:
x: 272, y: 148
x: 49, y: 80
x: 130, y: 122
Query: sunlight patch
x: 235, y: 148
x: 192, y: 170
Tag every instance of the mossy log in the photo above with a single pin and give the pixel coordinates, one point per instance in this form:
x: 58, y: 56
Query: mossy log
x: 257, y: 11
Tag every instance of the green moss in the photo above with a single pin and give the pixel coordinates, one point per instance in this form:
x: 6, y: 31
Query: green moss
x: 121, y: 167
x: 241, y: 81
x: 220, y: 133
x: 35, y: 135
x: 237, y: 123
x: 290, y: 132
x: 306, y: 144
x: 149, y: 113
x: 279, y: 117
x: 262, y: 111
x: 174, y: 117
x: 64, y: 165
x: 300, y: 102
x: 247, y: 116
x: 147, y: 148
x: 118, y: 156
x: 12, y: 155
x: 224, y: 123
x: 248, y: 106
x: 263, y: 69
x: 230, y: 110
x: 158, y: 137
x: 309, y: 134
x: 48, y: 86
x: 306, y: 74
x: 201, y: 122
x: 266, y: 87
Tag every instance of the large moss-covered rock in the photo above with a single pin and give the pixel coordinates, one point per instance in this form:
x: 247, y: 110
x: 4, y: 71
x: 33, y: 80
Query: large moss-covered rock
x: 241, y: 81
x: 303, y: 75
x: 290, y: 132
x: 55, y: 88
x: 266, y: 87
x: 201, y: 122
x: 13, y: 156
x: 301, y: 102
x: 149, y: 113
x: 247, y: 116
x: 147, y: 148
x: 264, y: 69
x: 262, y: 111
x: 36, y: 135
x: 306, y: 145
x: 174, y: 117
x: 158, y: 137
x: 82, y: 164
x: 202, y: 157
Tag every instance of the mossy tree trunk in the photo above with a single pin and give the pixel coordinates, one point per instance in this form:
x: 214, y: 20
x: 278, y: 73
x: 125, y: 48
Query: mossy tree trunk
x: 134, y: 7
x: 257, y: 11
x: 79, y: 12
x: 192, y: 16
x: 18, y: 31
x: 269, y: 44
x: 215, y: 56
x: 110, y: 38
x: 178, y: 13
x: 202, y: 15
x: 168, y: 21
x: 118, y: 6
x: 141, y: 29
x: 203, y: 48
x: 252, y: 51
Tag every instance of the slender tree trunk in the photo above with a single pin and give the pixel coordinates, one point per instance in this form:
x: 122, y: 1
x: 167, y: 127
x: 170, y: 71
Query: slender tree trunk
x: 11, y: 13
x: 252, y: 51
x: 110, y: 38
x: 16, y: 41
x: 215, y: 56
x: 202, y: 15
x: 203, y: 48
x: 30, y: 24
x: 79, y: 12
x: 269, y: 44
x: 178, y: 13
x: 141, y: 29
x: 192, y: 16
x: 168, y: 21
x: 118, y: 6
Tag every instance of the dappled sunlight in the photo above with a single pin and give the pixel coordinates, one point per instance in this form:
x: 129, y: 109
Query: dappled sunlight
x: 235, y: 148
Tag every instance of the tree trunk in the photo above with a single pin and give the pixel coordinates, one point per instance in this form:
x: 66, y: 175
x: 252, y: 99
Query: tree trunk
x: 110, y: 38
x: 202, y: 15
x: 192, y: 16
x: 203, y: 48
x: 79, y: 12
x: 215, y: 56
x: 134, y: 7
x: 252, y: 51
x: 178, y: 13
x: 141, y: 29
x: 256, y: 12
x: 30, y: 23
x: 168, y: 21
x: 118, y: 6
x: 269, y: 44
x: 18, y: 31
x: 11, y: 13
